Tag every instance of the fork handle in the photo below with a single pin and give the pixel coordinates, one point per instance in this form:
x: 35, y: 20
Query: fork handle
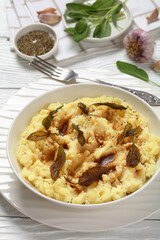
x: 147, y: 97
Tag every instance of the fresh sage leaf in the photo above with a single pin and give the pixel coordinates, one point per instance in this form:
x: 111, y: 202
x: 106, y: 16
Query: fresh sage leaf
x: 77, y: 14
x: 81, y: 138
x: 58, y: 164
x: 81, y: 26
x: 134, y: 71
x: 100, y: 4
x: 80, y: 36
x: 102, y: 30
x: 70, y: 30
x: 47, y: 121
x: 79, y: 7
x: 115, y: 12
x: 38, y: 135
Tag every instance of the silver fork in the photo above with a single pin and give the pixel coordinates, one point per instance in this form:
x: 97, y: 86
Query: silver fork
x: 69, y: 76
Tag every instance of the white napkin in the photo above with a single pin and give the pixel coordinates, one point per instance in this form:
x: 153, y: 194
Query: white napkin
x: 23, y: 12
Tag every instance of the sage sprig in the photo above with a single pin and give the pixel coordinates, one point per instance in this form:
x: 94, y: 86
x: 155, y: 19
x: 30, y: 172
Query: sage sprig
x: 98, y: 15
x: 134, y: 71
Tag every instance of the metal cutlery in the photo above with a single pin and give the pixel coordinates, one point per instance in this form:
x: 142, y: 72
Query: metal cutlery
x: 69, y: 76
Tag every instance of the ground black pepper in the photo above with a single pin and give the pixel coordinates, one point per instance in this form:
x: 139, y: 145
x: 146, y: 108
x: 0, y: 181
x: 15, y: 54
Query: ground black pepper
x: 35, y: 43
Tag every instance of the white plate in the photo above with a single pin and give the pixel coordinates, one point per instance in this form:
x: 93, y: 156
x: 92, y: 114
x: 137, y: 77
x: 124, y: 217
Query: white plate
x: 131, y: 210
x: 115, y: 32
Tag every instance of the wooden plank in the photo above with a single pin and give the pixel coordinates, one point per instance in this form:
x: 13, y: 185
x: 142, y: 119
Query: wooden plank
x: 5, y: 94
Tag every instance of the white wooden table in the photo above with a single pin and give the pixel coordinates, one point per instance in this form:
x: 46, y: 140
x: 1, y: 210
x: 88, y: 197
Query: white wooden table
x: 15, y: 74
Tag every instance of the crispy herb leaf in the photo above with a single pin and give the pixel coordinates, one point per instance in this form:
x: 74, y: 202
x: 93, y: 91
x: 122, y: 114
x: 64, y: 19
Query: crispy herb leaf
x: 81, y: 138
x: 63, y: 127
x: 103, y: 29
x: 58, y: 164
x: 75, y: 127
x: 83, y: 107
x: 111, y: 105
x: 93, y: 175
x: 81, y: 26
x: 133, y: 157
x: 38, y: 135
x: 70, y: 30
x: 47, y: 121
x: 115, y: 12
x: 124, y: 133
x: 134, y: 131
x: 80, y: 36
x: 106, y: 159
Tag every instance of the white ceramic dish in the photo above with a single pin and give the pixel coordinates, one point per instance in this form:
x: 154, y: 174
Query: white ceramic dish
x: 124, y: 25
x: 68, y: 94
x: 103, y: 218
x: 34, y: 27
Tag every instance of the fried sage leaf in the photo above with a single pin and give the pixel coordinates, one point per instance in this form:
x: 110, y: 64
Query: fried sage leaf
x: 92, y: 175
x: 111, y: 105
x: 106, y: 159
x: 133, y: 157
x: 38, y: 135
x: 47, y: 121
x: 123, y: 135
x: 58, y: 164
x: 83, y: 107
x: 134, y: 131
x: 81, y: 138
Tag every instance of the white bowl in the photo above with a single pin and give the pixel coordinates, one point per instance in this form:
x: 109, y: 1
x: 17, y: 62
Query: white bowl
x: 68, y: 94
x: 36, y: 27
x: 124, y: 25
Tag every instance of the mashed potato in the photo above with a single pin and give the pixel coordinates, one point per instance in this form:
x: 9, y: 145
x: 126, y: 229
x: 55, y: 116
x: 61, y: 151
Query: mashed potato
x: 84, y: 153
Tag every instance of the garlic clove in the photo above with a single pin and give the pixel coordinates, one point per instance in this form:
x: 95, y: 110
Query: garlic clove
x: 49, y: 18
x: 156, y: 66
x: 47, y: 10
x: 153, y: 16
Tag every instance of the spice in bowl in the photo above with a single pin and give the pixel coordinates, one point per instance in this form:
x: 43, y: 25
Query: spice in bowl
x: 35, y: 43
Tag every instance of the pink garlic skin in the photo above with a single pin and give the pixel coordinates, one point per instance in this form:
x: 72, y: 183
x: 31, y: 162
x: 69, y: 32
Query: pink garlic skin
x: 139, y: 45
x: 49, y: 18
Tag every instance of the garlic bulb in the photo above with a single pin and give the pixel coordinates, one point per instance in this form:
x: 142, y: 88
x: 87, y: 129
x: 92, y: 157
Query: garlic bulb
x: 139, y: 45
x: 49, y: 18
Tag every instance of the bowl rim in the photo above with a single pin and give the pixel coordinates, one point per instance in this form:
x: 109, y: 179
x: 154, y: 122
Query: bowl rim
x: 73, y: 205
x: 34, y: 26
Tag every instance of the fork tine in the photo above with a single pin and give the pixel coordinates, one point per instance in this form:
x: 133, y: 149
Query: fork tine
x: 44, y: 70
x: 46, y: 65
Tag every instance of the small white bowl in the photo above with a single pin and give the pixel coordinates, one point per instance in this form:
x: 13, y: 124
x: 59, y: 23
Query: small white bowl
x: 36, y: 27
x: 64, y: 95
